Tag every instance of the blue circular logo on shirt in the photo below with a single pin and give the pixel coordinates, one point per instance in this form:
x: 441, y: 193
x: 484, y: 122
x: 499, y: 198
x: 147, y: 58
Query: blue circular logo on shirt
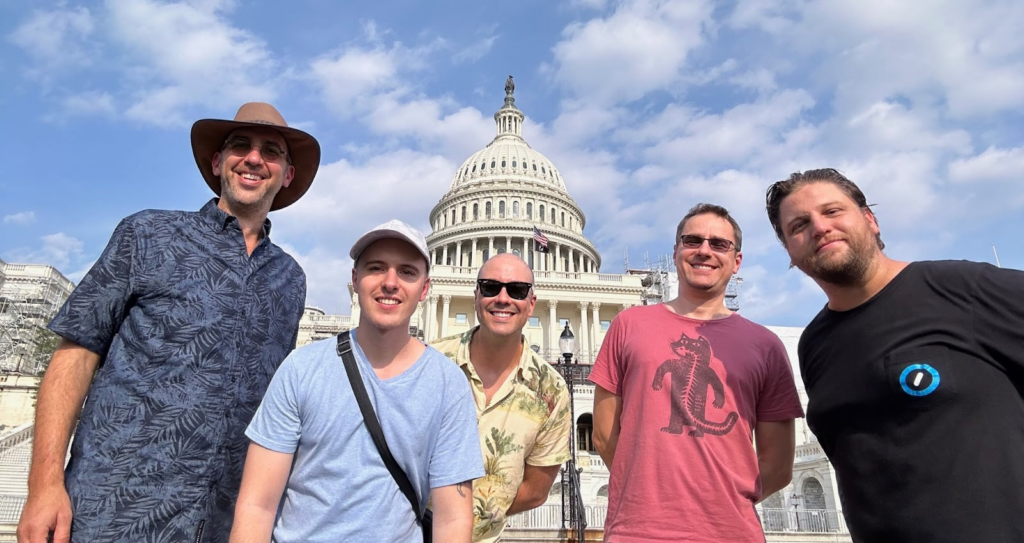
x: 919, y: 379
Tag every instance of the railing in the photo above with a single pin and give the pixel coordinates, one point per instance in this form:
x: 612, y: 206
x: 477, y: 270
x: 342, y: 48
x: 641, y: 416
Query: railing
x: 820, y: 521
x: 549, y: 516
x: 808, y: 450
x: 19, y: 435
x: 10, y: 508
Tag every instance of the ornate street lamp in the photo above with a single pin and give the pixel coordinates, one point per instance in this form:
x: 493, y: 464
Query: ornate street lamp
x: 794, y: 500
x: 573, y: 514
x: 567, y: 343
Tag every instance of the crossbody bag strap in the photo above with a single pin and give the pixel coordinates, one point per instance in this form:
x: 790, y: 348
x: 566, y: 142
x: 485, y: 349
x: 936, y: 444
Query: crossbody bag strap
x: 373, y: 425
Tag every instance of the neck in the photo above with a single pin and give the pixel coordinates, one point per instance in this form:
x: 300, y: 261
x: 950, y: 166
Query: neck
x: 249, y: 220
x: 489, y: 352
x: 383, y: 346
x: 695, y: 305
x: 879, y: 274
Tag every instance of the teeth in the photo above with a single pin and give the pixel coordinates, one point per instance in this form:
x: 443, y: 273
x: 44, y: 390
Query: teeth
x: 250, y: 176
x: 387, y: 301
x: 501, y: 314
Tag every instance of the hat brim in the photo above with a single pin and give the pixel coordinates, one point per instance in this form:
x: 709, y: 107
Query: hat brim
x: 208, y: 136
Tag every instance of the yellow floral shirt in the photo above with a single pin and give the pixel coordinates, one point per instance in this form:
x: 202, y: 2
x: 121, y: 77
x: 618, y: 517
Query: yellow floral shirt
x: 526, y: 422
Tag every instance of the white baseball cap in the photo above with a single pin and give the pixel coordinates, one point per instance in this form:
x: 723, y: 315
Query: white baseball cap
x: 395, y: 229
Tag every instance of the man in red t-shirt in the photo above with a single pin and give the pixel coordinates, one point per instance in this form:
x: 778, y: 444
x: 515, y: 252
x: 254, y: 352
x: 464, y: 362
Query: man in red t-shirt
x: 685, y: 390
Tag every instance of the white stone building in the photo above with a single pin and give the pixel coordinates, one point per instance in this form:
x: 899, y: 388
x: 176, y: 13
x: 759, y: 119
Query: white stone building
x: 30, y: 296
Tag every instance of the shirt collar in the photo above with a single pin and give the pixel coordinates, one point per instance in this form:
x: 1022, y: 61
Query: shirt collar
x: 220, y: 219
x: 464, y: 360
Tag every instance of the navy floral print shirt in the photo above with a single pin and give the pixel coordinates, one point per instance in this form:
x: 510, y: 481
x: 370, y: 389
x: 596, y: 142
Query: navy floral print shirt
x: 190, y: 329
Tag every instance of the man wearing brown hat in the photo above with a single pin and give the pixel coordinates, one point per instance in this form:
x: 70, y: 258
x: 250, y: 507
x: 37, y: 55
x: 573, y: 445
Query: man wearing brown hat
x: 183, y: 320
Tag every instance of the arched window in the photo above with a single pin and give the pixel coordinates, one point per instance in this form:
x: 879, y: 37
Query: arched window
x: 492, y: 164
x: 474, y: 168
x: 552, y: 215
x: 476, y: 211
x: 563, y: 219
x: 513, y: 163
x: 534, y: 166
x: 515, y: 209
x: 463, y: 213
x: 487, y: 210
x: 603, y: 492
x: 814, y: 494
x: 501, y: 209
x: 503, y: 163
x: 585, y: 433
x: 529, y: 210
x: 540, y: 212
x: 453, y: 216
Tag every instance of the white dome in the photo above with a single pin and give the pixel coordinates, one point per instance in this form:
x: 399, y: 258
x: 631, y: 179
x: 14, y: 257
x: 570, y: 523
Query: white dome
x: 508, y: 156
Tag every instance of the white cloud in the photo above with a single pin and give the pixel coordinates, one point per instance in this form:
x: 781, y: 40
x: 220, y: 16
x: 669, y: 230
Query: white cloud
x: 90, y: 103
x: 211, y: 65
x: 57, y: 38
x: 475, y: 51
x: 994, y: 164
x: 24, y: 217
x: 643, y: 46
x: 58, y: 250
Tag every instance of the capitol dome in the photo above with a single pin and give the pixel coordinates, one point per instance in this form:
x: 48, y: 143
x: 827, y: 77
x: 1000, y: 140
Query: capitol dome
x: 505, y: 191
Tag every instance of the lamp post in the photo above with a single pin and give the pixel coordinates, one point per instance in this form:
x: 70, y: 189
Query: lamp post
x: 794, y: 500
x: 573, y: 514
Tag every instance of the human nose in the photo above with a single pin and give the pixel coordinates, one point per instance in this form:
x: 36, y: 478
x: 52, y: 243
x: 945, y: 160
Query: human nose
x: 391, y: 279
x: 705, y: 247
x: 820, y: 225
x: 254, y: 155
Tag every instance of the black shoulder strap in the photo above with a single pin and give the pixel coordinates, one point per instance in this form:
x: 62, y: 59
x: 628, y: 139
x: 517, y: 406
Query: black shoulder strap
x: 370, y: 419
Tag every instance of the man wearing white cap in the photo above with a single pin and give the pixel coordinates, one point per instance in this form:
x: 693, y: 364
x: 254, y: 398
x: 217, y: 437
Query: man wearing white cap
x: 183, y: 320
x: 313, y: 472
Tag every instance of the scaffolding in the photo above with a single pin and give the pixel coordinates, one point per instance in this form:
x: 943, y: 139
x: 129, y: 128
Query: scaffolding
x: 30, y: 295
x: 661, y: 282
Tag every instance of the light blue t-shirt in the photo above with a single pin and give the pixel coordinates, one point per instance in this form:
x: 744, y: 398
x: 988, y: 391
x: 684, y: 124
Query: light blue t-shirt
x: 339, y: 488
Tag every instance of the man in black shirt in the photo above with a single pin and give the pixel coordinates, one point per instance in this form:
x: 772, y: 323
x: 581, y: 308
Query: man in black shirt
x: 914, y: 374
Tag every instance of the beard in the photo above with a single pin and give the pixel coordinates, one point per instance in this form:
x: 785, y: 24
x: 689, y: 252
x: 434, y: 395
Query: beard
x: 847, y: 270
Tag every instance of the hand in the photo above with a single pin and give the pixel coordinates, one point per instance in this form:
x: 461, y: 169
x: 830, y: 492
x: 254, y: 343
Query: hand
x: 47, y: 510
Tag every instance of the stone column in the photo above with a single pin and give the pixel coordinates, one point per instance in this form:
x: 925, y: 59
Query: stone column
x: 444, y: 255
x: 553, y: 330
x: 582, y: 334
x: 558, y: 256
x: 355, y: 310
x: 447, y: 301
x: 472, y: 256
x: 508, y: 244
x: 433, y: 257
x: 595, y: 325
x: 580, y: 262
x: 490, y: 247
x: 458, y: 253
x: 430, y: 322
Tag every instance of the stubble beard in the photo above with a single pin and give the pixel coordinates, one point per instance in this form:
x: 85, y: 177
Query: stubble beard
x: 847, y: 270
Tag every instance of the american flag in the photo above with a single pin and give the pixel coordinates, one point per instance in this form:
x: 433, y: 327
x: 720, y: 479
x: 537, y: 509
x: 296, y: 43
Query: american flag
x: 540, y: 239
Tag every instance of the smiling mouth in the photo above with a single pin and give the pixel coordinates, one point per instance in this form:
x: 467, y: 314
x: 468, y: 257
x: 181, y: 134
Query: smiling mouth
x: 502, y: 314
x: 702, y: 267
x: 387, y: 301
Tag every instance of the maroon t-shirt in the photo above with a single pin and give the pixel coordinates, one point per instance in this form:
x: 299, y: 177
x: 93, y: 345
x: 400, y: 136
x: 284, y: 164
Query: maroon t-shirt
x: 692, y: 393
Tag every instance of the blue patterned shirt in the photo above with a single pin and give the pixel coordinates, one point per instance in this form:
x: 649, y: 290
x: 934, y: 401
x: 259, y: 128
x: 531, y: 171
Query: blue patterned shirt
x: 190, y: 329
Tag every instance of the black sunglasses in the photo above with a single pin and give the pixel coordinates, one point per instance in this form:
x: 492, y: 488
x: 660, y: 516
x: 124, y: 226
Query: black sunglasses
x: 517, y: 290
x: 718, y: 245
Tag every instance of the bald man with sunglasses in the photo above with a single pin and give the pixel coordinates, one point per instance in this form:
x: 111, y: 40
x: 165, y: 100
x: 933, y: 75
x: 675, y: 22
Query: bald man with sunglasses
x: 522, y: 403
x: 685, y: 389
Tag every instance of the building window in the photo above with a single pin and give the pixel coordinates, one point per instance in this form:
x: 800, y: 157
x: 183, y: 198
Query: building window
x: 535, y: 322
x: 487, y: 210
x: 501, y: 209
x: 453, y: 216
x: 492, y: 164
x: 543, y: 171
x: 552, y: 216
x: 463, y: 213
x: 516, y: 252
x: 515, y: 209
x: 474, y: 168
x: 529, y: 210
x: 461, y: 318
x: 605, y: 325
x: 585, y: 433
x: 503, y: 163
x: 476, y: 211
x: 540, y: 212
x: 535, y: 167
x: 513, y: 163
x: 563, y: 219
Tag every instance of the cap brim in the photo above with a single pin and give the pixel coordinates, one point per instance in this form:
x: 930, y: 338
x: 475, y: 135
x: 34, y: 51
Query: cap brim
x: 304, y: 150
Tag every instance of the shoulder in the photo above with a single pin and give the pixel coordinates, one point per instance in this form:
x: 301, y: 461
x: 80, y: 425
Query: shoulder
x: 534, y: 365
x: 156, y: 217
x: 639, y: 313
x: 757, y: 333
x: 450, y: 345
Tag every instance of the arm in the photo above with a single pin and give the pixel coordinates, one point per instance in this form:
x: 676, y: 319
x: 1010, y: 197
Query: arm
x: 776, y: 446
x: 533, y: 491
x: 453, y: 512
x: 263, y: 482
x: 607, y: 409
x: 59, y: 404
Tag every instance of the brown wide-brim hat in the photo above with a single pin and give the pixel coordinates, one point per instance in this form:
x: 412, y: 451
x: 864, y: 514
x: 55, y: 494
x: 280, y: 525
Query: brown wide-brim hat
x: 208, y: 136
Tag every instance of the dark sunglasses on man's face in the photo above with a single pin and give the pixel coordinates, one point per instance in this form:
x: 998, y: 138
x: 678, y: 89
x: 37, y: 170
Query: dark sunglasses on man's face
x: 517, y: 290
x: 718, y: 245
x: 269, y: 150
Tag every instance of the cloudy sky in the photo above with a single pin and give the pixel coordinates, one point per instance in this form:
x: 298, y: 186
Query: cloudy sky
x: 646, y: 107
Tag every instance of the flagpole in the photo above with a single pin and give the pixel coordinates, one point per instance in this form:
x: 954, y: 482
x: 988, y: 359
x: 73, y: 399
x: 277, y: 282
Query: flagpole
x: 996, y: 254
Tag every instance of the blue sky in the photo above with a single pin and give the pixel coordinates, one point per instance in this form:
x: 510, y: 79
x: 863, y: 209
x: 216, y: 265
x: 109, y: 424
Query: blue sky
x: 646, y: 107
